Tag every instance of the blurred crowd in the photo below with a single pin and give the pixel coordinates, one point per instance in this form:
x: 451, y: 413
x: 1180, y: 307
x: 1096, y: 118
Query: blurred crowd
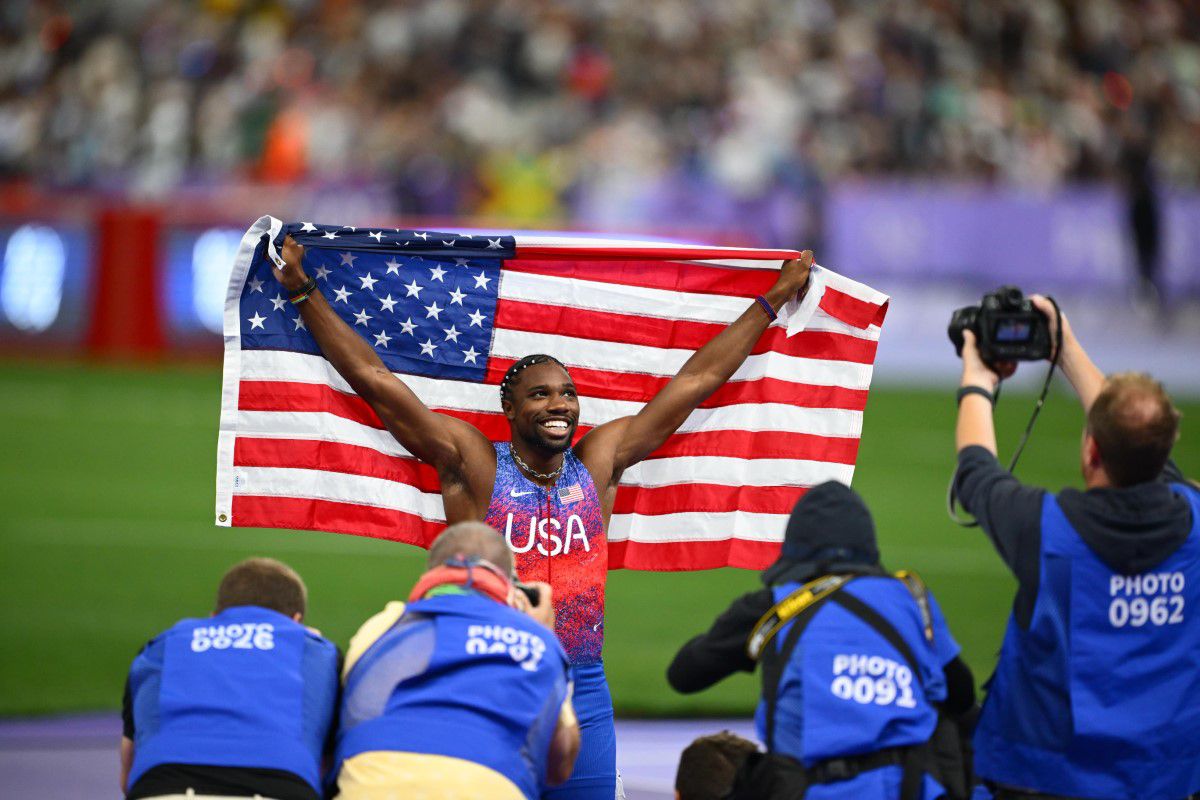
x: 595, y: 109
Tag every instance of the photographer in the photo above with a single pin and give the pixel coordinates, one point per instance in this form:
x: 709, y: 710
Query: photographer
x: 1096, y: 693
x: 458, y: 694
x: 860, y: 675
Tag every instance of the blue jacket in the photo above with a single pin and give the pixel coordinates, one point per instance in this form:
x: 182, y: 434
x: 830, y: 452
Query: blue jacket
x: 249, y: 687
x: 462, y: 676
x: 1098, y: 696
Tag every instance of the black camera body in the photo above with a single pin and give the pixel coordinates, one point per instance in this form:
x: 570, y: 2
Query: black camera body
x: 1006, y: 325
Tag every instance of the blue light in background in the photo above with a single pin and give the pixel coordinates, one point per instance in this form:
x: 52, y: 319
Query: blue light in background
x: 31, y: 286
x: 197, y: 278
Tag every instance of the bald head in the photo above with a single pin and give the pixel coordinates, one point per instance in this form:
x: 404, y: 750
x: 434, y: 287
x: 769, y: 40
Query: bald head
x: 1134, y: 426
x: 471, y: 540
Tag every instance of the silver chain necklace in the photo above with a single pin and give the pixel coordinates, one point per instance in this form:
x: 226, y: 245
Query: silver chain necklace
x: 512, y: 451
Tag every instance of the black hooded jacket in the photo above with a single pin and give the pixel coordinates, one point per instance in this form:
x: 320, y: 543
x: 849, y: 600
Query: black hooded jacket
x: 830, y: 531
x: 1132, y: 530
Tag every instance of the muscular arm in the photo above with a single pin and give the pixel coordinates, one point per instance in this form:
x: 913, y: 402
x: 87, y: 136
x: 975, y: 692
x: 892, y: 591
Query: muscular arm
x: 442, y: 441
x: 631, y: 439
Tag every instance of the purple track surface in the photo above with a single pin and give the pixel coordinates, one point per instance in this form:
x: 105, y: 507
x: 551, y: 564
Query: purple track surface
x: 71, y: 758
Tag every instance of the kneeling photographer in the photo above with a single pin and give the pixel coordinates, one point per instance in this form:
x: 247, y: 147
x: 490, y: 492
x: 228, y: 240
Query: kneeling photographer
x: 1096, y: 693
x: 862, y: 684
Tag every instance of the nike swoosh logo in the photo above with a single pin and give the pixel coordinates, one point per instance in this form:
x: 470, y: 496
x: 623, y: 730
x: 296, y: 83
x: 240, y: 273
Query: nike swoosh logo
x: 515, y: 493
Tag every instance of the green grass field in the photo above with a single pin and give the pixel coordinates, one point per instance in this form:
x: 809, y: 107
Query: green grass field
x: 106, y: 536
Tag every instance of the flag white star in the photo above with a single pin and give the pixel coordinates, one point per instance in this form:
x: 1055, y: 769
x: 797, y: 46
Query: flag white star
x: 469, y: 355
x: 323, y: 272
x: 413, y: 289
x: 482, y: 281
x: 299, y: 323
x: 376, y: 235
x: 477, y: 318
x: 451, y: 334
x: 433, y: 311
x: 493, y: 244
x: 308, y: 226
x: 449, y: 243
x: 348, y: 259
x: 368, y: 282
x: 362, y: 317
x: 278, y: 302
x: 393, y: 266
x: 255, y: 285
x: 407, y: 326
x: 343, y: 295
x: 351, y: 227
x: 422, y: 235
x: 382, y: 339
x: 428, y: 347
x: 457, y: 296
x: 462, y: 262
x: 256, y: 321
x: 330, y: 235
x: 436, y: 274
x: 388, y: 303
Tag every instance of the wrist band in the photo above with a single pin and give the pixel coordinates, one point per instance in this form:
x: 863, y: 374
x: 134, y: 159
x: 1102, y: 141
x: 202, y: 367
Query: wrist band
x: 979, y: 390
x: 300, y: 295
x: 762, y: 301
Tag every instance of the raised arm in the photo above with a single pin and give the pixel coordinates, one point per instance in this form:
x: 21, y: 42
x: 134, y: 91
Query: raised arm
x: 1085, y: 377
x: 631, y: 439
x: 442, y: 441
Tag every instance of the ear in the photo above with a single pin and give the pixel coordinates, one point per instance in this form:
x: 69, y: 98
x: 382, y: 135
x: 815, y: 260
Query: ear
x: 298, y: 617
x: 1091, y: 453
x: 508, y: 408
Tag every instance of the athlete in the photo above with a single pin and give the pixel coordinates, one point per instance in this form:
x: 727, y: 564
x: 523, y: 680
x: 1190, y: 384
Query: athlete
x: 551, y: 500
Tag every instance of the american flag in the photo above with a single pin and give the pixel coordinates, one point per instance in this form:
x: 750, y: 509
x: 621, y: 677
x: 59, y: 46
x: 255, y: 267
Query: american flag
x: 449, y: 313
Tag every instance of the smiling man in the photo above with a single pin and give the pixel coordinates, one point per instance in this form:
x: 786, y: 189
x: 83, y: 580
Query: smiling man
x: 552, y: 501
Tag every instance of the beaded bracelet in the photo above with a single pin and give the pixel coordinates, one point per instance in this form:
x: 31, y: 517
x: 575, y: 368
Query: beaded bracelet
x: 300, y: 295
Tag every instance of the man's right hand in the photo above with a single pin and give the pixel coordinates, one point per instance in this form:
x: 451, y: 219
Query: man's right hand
x: 291, y: 275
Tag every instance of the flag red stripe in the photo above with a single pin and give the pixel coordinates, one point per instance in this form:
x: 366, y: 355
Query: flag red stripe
x: 851, y: 310
x: 668, y: 275
x: 350, y: 459
x: 679, y: 252
x: 681, y: 556
x: 283, y: 396
x: 255, y: 511
x: 677, y: 334
x: 711, y: 498
x: 639, y: 388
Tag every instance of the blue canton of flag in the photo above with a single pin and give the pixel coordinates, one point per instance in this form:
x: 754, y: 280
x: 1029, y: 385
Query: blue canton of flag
x: 425, y: 301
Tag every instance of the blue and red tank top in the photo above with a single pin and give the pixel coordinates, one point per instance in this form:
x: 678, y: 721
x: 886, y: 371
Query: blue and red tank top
x: 557, y: 535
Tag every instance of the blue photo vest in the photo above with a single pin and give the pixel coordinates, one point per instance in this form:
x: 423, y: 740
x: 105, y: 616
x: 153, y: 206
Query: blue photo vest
x: 460, y: 676
x: 847, y: 691
x: 248, y: 687
x: 1100, y: 697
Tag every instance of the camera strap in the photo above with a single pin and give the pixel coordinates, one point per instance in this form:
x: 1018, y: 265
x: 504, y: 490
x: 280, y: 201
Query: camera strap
x: 952, y: 495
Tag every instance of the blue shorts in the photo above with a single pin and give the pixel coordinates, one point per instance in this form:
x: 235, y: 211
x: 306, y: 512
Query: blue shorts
x: 595, y: 774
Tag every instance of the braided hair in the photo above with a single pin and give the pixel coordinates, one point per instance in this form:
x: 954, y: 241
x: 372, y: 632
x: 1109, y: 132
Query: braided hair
x: 510, y: 377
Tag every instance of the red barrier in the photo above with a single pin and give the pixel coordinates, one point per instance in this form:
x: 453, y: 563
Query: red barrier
x: 126, y: 318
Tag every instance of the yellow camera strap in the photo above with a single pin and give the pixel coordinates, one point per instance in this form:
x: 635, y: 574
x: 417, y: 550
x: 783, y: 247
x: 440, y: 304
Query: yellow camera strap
x: 916, y: 587
x: 789, y: 608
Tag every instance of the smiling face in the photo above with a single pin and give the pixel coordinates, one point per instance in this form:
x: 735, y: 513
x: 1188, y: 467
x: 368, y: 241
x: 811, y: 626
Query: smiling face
x: 543, y: 408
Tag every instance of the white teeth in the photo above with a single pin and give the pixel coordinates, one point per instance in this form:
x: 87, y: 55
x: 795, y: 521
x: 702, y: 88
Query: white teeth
x: 555, y: 423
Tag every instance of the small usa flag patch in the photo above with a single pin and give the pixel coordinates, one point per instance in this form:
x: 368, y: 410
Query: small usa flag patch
x: 570, y: 494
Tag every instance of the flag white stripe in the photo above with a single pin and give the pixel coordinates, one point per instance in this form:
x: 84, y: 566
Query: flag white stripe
x: 339, y: 488
x: 688, y: 526
x: 720, y: 470
x: 665, y: 363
